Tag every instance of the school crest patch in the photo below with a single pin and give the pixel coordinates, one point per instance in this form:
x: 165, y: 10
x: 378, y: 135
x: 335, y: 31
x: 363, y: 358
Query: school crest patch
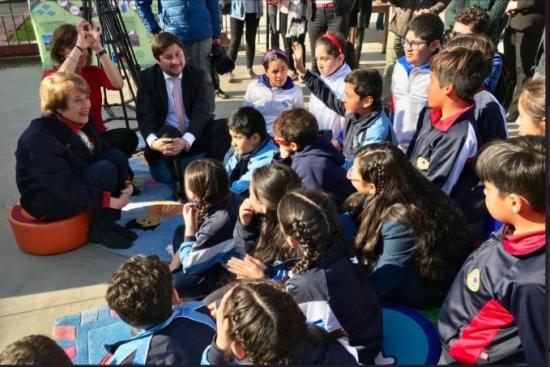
x: 422, y: 163
x: 473, y: 281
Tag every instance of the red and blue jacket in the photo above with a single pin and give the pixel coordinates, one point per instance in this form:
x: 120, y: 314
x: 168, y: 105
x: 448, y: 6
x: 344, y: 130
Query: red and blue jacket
x: 495, y: 310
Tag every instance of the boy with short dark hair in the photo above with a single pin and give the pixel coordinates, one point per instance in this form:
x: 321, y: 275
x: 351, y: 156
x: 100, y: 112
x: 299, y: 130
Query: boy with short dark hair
x: 445, y: 143
x: 252, y: 147
x: 475, y: 21
x: 34, y: 350
x: 495, y: 311
x: 141, y: 293
x: 366, y: 122
x: 411, y: 74
x: 471, y: 20
x: 312, y: 156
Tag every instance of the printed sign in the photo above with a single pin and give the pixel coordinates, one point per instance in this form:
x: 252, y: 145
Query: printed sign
x: 47, y: 15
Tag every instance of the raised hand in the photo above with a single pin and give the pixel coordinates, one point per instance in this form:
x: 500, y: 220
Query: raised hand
x: 298, y: 56
x: 94, y: 36
x: 82, y: 39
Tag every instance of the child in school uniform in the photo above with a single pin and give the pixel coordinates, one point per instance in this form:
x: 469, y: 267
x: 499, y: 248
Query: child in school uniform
x: 445, y: 144
x: 411, y: 74
x: 273, y: 92
x: 252, y: 147
x: 204, y: 241
x: 410, y: 235
x: 257, y: 232
x: 365, y: 119
x: 316, y: 161
x: 141, y: 294
x: 259, y: 323
x: 331, y: 290
x: 331, y: 54
x: 490, y: 118
x: 495, y: 311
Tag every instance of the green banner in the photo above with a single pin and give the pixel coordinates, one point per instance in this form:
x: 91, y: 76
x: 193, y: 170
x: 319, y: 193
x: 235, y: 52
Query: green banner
x: 47, y: 15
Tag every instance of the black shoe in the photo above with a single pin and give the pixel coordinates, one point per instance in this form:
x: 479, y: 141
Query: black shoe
x: 220, y: 93
x: 126, y: 232
x: 111, y: 239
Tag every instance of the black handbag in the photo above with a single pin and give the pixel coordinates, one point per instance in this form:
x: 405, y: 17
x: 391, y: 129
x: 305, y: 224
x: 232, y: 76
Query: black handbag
x: 220, y: 60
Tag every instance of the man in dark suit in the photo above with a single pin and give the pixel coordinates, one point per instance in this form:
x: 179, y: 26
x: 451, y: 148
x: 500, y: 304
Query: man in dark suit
x: 173, y: 114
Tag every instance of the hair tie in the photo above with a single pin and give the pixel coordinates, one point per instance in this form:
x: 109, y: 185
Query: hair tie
x: 270, y: 55
x: 332, y: 38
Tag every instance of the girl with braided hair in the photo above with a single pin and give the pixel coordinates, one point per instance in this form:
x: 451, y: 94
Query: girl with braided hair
x: 257, y: 232
x: 411, y: 236
x: 204, y: 241
x: 331, y: 290
x: 258, y: 323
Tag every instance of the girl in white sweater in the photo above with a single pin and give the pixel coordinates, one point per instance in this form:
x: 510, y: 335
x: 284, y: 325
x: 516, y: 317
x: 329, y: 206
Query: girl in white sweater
x: 274, y: 91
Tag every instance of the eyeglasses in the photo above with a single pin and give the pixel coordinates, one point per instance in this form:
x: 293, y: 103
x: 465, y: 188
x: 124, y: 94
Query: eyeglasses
x: 414, y: 45
x: 280, y: 141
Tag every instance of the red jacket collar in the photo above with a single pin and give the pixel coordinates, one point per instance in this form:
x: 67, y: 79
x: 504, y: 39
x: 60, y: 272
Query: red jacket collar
x: 525, y: 243
x: 446, y: 123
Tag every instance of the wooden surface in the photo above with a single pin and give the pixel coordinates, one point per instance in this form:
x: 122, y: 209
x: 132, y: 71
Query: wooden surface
x: 380, y: 7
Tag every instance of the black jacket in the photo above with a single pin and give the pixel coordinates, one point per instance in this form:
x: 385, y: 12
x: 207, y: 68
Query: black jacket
x: 49, y: 160
x: 152, y: 100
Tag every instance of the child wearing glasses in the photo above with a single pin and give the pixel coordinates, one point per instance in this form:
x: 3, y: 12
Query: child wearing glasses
x: 273, y: 92
x: 411, y: 75
x: 316, y: 161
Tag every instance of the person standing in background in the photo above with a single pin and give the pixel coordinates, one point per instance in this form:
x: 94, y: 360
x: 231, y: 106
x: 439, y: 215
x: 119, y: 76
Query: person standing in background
x: 244, y: 12
x: 292, y: 26
x: 326, y: 16
x: 521, y: 42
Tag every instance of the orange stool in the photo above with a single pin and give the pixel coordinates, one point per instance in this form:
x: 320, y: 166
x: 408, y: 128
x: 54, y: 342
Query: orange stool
x: 48, y: 238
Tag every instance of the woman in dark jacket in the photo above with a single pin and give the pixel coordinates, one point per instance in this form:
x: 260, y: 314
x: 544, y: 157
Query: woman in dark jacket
x: 64, y: 166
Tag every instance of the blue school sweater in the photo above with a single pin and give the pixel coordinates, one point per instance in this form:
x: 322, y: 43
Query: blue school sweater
x: 179, y: 340
x: 332, y: 295
x: 319, y: 165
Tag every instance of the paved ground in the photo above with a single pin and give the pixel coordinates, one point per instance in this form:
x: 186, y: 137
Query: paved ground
x: 35, y: 290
